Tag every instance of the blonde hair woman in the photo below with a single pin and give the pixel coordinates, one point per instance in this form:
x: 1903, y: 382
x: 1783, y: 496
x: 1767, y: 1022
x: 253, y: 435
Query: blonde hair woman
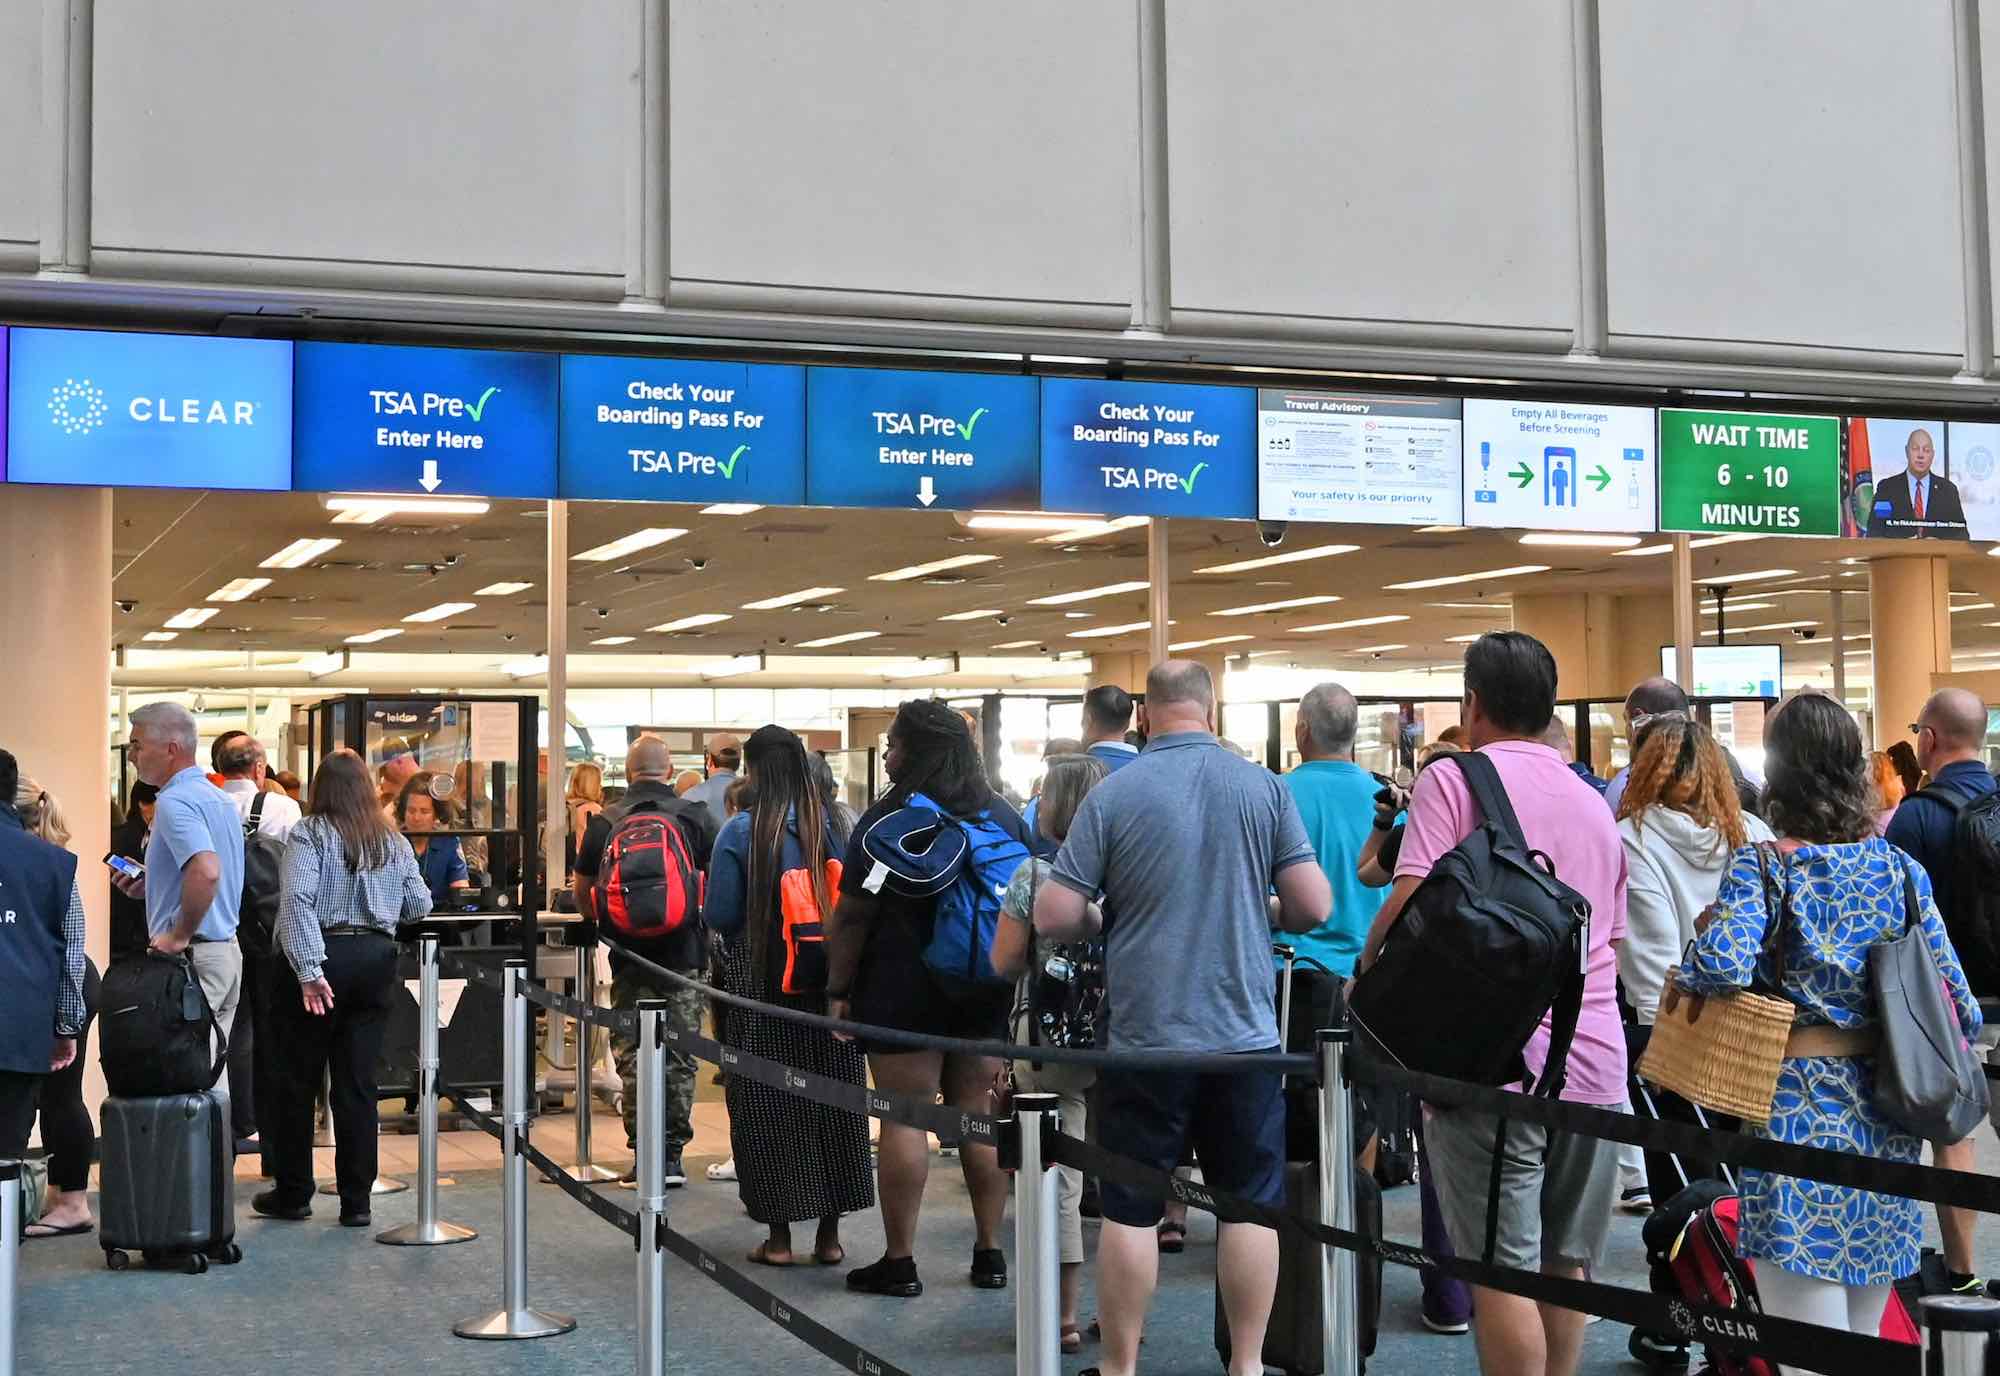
x: 585, y: 800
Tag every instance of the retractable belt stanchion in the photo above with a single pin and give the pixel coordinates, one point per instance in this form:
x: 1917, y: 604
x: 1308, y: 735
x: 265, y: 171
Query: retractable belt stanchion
x: 1340, y: 1310
x: 650, y: 1172
x: 1037, y: 1299
x: 428, y: 1230
x: 10, y: 1258
x: 1959, y: 1334
x: 514, y: 1319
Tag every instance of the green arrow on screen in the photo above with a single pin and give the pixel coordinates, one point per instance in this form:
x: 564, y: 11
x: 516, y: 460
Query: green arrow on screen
x: 1602, y: 477
x: 1522, y: 474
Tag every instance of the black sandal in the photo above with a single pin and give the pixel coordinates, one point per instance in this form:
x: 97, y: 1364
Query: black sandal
x: 1173, y: 1238
x: 892, y: 1276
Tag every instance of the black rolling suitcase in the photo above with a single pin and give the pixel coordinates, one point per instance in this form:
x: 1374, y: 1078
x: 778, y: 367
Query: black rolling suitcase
x: 168, y: 1183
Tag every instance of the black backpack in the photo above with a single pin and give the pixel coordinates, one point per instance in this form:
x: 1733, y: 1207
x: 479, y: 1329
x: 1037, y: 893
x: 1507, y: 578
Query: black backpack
x: 1489, y: 944
x: 263, y: 885
x: 1974, y: 919
x: 155, y: 1028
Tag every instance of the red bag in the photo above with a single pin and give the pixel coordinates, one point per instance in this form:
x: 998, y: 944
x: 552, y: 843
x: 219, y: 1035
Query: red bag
x: 648, y: 885
x: 803, y: 928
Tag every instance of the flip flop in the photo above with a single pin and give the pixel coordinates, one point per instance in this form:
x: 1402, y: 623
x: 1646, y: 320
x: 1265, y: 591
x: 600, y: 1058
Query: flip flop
x: 1173, y: 1238
x: 723, y: 1170
x: 761, y: 1256
x: 1072, y: 1338
x: 51, y: 1230
x: 833, y: 1257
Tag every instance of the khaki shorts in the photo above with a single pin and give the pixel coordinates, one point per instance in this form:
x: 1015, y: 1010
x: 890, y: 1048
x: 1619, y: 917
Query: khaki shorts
x: 1556, y: 1196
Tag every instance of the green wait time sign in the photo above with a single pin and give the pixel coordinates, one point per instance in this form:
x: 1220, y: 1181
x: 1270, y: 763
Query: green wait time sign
x: 1729, y: 472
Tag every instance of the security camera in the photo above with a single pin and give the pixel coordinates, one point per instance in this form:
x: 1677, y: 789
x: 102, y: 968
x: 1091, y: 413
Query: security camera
x: 697, y: 563
x: 1002, y: 620
x: 1805, y: 633
x: 1272, y: 533
x: 451, y: 561
x: 603, y: 613
x: 126, y: 604
x: 1376, y: 655
x: 507, y: 636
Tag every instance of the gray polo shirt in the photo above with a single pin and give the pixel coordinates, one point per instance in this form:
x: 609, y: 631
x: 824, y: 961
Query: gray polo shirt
x: 1183, y: 844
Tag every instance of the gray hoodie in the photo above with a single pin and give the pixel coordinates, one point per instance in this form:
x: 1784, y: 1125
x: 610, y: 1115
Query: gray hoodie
x: 1675, y: 868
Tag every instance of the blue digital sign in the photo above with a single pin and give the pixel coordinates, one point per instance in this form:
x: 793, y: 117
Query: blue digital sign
x: 454, y: 422
x: 1148, y: 449
x: 102, y: 408
x: 674, y: 430
x: 898, y: 439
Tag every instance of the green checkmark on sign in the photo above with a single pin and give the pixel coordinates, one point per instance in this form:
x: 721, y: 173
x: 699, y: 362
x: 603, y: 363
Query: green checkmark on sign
x: 728, y: 466
x: 965, y: 426
x: 478, y: 407
x: 1188, y: 481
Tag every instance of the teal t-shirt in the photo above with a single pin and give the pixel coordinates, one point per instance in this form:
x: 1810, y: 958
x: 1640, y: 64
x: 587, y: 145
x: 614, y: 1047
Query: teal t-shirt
x: 1336, y: 800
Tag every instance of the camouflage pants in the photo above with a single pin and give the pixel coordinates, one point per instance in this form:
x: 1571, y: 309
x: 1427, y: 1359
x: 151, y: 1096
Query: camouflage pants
x: 630, y: 984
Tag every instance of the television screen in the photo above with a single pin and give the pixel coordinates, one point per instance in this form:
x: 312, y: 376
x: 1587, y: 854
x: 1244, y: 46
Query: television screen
x: 1728, y: 671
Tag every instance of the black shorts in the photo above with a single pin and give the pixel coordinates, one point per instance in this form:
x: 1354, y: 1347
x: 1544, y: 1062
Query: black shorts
x: 1235, y: 1122
x: 894, y: 988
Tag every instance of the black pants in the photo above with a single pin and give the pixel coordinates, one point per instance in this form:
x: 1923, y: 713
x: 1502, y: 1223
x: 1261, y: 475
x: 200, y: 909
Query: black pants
x: 66, y: 1127
x: 17, y: 1111
x: 250, y: 1042
x: 346, y: 1042
x: 1667, y: 1175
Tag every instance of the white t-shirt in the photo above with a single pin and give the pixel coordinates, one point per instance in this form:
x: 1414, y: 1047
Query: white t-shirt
x: 280, y: 813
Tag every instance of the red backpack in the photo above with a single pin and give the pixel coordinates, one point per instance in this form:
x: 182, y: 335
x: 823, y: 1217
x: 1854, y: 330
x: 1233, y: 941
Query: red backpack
x: 648, y: 885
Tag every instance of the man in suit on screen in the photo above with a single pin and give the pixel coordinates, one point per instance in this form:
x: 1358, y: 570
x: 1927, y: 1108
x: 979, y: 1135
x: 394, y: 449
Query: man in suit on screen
x: 1917, y: 501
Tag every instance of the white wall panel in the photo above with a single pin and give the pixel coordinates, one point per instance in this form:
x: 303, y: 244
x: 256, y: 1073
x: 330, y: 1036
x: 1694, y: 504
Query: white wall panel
x: 23, y: 142
x: 1399, y: 160
x: 1783, y: 171
x: 906, y: 146
x: 375, y: 131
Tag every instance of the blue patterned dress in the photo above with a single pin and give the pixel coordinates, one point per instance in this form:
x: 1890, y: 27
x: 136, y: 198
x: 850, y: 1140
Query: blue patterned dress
x: 1844, y: 899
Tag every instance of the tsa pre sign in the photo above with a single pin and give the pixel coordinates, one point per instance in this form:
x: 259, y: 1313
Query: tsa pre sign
x: 1733, y: 472
x: 958, y: 441
x: 672, y: 430
x: 1148, y: 448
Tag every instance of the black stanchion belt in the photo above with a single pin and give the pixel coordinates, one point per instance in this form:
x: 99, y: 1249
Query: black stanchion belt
x: 461, y: 1099
x: 621, y: 1020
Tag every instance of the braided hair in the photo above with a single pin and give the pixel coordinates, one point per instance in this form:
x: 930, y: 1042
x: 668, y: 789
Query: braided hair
x: 939, y: 758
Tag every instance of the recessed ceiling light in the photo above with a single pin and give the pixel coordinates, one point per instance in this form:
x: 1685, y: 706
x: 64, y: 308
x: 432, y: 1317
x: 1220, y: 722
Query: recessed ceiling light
x: 365, y: 509
x: 730, y: 668
x: 1973, y: 607
x: 501, y: 589
x: 1063, y: 599
x: 791, y: 599
x: 1297, y: 556
x: 1026, y: 520
x: 848, y: 638
x: 1374, y: 649
x: 1441, y: 530
x: 731, y: 509
x: 236, y: 589
x: 441, y: 611
x: 1018, y: 645
x: 613, y: 640
x: 1288, y: 603
x: 976, y: 615
x: 1349, y: 625
x: 688, y: 623
x: 1512, y: 571
x: 299, y: 552
x: 1091, y: 530
x: 629, y: 544
x: 1098, y: 632
x: 373, y: 637
x: 189, y: 619
x: 1772, y: 626
x: 1490, y: 608
x: 957, y: 561
x: 1464, y: 639
x: 161, y: 635
x: 1725, y: 579
x: 1578, y: 539
x: 1204, y: 644
x: 1078, y: 616
x: 1709, y: 608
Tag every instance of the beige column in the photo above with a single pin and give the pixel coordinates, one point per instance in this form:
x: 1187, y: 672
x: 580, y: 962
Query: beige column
x: 1603, y: 643
x: 1909, y: 616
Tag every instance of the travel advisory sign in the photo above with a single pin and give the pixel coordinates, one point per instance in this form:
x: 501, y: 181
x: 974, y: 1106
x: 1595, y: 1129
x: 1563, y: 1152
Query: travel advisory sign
x: 1737, y: 472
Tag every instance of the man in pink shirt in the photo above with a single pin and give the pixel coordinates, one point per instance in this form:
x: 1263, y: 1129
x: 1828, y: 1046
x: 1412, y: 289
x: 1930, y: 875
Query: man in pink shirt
x: 1556, y: 1189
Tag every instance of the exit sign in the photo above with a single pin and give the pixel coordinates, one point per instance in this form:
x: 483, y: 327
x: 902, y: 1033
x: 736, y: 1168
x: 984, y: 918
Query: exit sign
x: 1730, y: 472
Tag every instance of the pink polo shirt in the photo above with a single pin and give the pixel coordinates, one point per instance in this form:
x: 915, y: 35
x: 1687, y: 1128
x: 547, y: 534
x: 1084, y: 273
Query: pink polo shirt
x: 1563, y: 817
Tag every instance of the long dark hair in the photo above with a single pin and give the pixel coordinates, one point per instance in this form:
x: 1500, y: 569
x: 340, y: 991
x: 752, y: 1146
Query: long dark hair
x: 939, y: 759
x: 344, y: 795
x: 1816, y: 785
x: 782, y: 793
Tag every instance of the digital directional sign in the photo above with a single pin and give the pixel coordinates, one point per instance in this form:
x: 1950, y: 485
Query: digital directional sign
x: 956, y: 441
x: 1731, y: 472
x: 389, y: 418
x: 1539, y: 465
x: 108, y: 409
x: 1148, y: 448
x: 1351, y: 456
x: 673, y: 430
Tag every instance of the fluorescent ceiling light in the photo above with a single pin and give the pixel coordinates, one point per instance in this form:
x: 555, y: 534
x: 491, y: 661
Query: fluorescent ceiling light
x: 613, y: 640
x: 365, y: 509
x: 1512, y: 571
x: 1297, y: 556
x: 501, y: 589
x: 847, y: 638
x: 374, y: 637
x: 1027, y: 520
x: 1464, y: 639
x: 1091, y: 530
x: 957, y: 561
x: 1703, y: 543
x: 1768, y: 626
x: 299, y: 552
x: 1321, y: 600
x: 236, y: 589
x: 922, y: 668
x: 1578, y: 540
x: 161, y: 635
x: 1490, y: 608
x: 731, y: 509
x: 1349, y: 625
x: 1098, y: 632
x: 526, y: 668
x: 629, y: 544
x: 1204, y: 644
x: 1374, y: 649
x: 441, y: 611
x: 1724, y: 579
x: 319, y: 666
x: 790, y: 599
x: 1709, y: 610
x: 976, y: 615
x: 189, y: 619
x: 1063, y: 599
x: 1053, y: 669
x: 689, y: 623
x: 1441, y: 530
x: 730, y: 668
x: 1973, y: 607
x: 1018, y: 645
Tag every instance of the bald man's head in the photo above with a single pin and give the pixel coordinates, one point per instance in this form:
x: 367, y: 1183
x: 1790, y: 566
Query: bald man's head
x: 1952, y: 727
x: 647, y: 760
x: 1654, y: 696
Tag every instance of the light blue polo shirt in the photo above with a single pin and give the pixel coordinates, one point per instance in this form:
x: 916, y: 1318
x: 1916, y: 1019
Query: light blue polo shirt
x: 192, y: 816
x: 1336, y: 801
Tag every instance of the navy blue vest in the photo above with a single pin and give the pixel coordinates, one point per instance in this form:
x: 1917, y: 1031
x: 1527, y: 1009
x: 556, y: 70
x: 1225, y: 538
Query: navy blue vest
x: 35, y: 883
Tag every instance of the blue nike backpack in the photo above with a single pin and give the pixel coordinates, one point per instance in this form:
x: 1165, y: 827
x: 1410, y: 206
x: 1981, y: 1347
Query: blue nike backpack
x: 963, y: 863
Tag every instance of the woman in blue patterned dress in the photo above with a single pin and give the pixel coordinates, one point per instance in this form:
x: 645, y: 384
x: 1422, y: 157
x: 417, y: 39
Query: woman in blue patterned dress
x: 1825, y: 1254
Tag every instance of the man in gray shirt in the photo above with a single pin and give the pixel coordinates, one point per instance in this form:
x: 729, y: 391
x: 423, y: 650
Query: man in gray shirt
x: 1185, y: 846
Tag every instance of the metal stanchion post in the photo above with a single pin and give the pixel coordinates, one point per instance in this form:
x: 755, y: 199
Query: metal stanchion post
x: 428, y: 1230
x: 10, y: 1258
x: 586, y: 994
x: 1340, y: 1310
x: 1958, y: 1333
x: 514, y: 1319
x: 650, y: 1172
x: 1037, y: 1300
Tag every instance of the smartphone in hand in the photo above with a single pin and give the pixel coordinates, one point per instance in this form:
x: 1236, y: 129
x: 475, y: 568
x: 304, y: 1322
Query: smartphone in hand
x: 125, y: 866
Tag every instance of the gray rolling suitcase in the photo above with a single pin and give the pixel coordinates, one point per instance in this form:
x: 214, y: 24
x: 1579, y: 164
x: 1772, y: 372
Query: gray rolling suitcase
x: 168, y: 1183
